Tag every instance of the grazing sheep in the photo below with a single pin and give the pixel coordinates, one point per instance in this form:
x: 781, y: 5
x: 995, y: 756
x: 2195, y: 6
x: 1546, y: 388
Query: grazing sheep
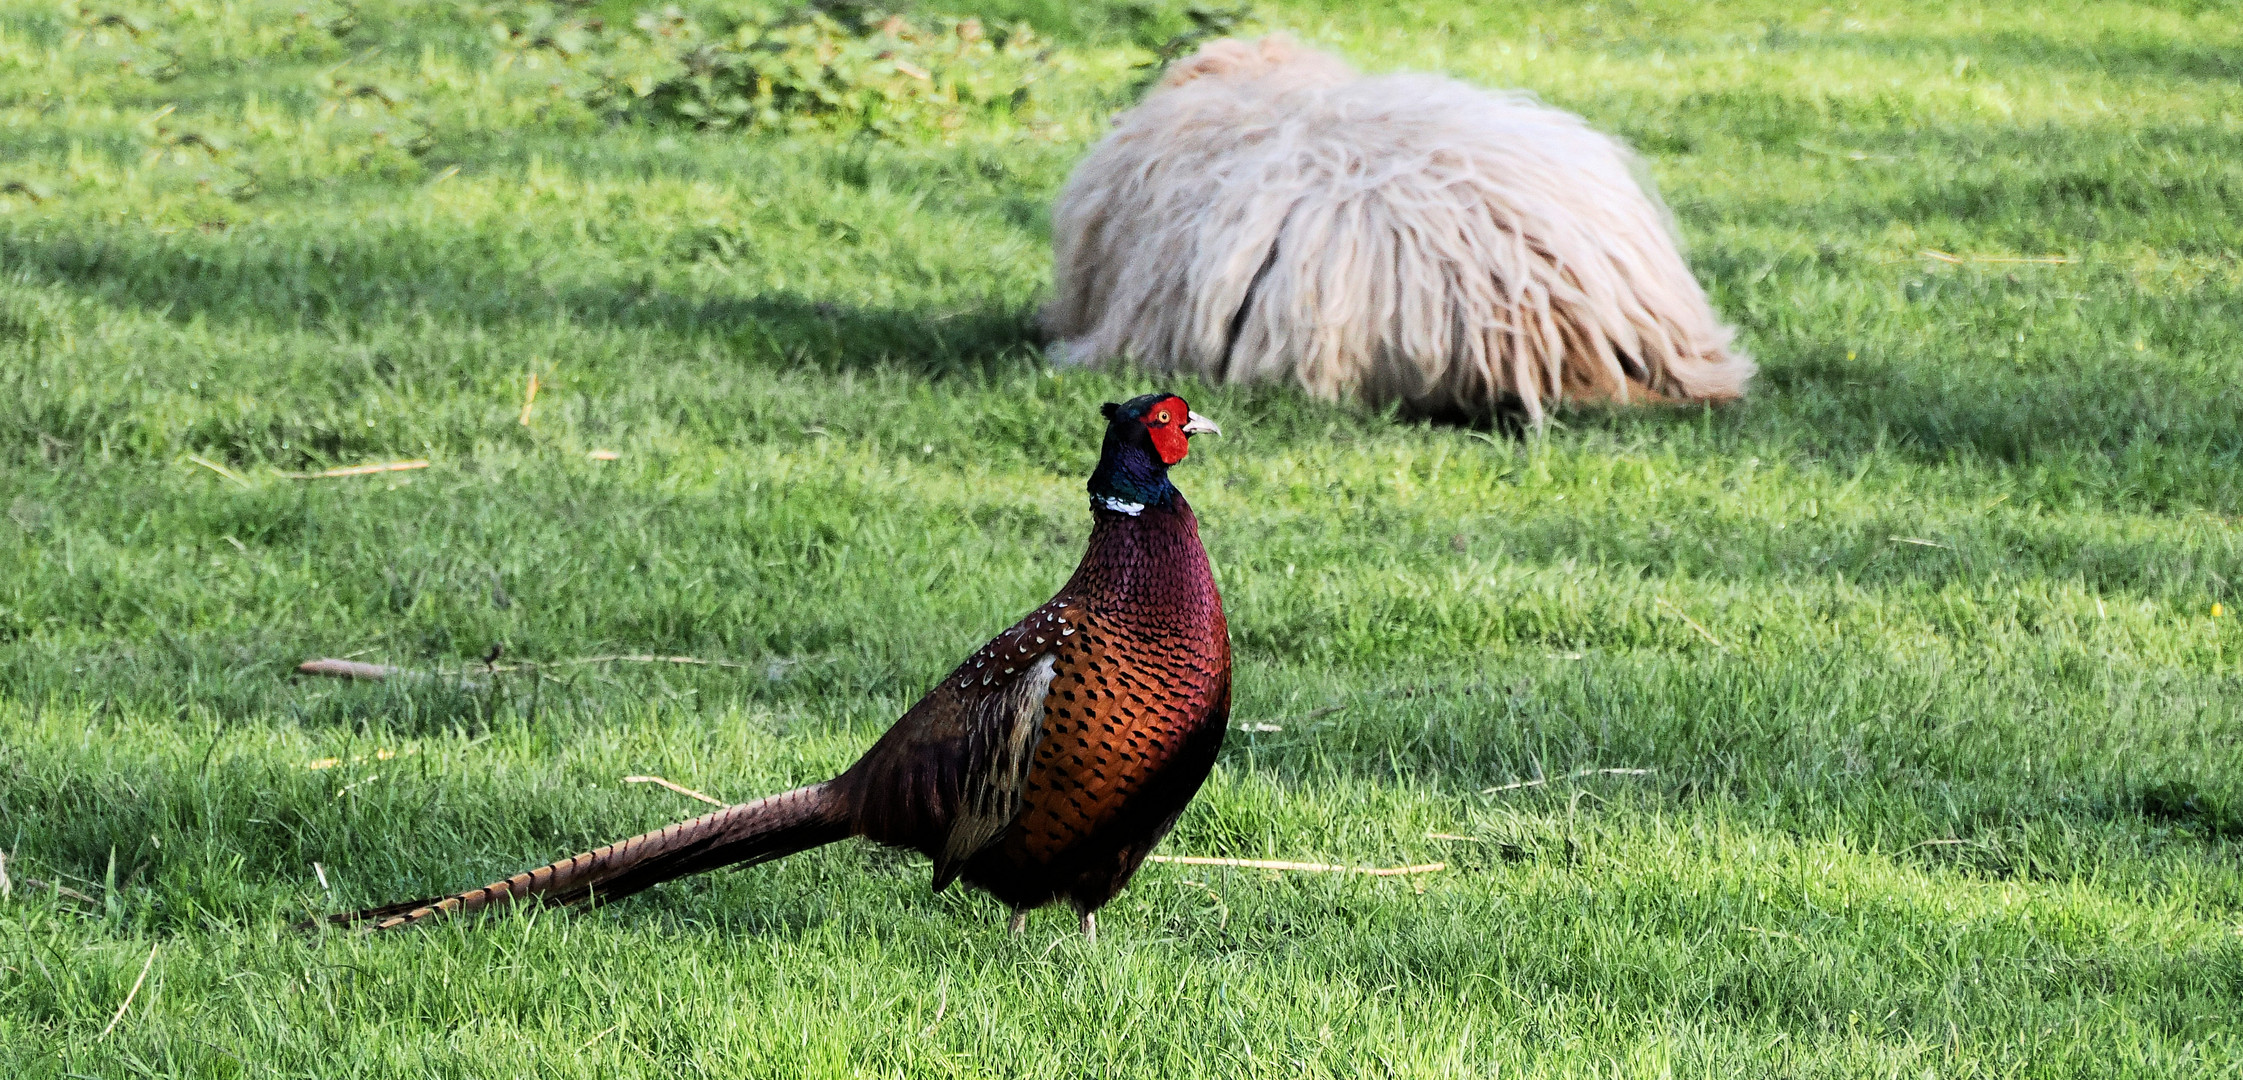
x: 1267, y: 213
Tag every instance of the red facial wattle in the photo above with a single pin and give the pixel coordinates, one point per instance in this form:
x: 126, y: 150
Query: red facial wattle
x: 1165, y: 422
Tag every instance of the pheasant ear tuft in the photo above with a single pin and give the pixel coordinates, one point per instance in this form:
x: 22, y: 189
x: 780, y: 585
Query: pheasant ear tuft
x: 1109, y: 409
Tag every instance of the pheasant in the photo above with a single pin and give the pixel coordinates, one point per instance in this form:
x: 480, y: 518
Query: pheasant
x: 1043, y: 768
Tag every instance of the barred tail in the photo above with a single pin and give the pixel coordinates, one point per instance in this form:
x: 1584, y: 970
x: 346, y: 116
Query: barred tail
x: 744, y: 835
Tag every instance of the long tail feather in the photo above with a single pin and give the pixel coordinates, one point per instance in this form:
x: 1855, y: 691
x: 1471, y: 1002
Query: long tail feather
x: 736, y: 835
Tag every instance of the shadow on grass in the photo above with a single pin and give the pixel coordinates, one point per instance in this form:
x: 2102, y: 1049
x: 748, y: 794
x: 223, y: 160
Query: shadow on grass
x: 352, y: 284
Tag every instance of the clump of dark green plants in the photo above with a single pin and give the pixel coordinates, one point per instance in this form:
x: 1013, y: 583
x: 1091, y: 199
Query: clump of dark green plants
x: 880, y: 73
x: 832, y: 66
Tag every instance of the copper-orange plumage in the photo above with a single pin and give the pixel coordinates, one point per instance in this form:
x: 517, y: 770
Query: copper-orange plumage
x: 1044, y: 768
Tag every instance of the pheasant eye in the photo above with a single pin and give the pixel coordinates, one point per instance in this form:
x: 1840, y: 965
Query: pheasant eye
x: 1163, y: 417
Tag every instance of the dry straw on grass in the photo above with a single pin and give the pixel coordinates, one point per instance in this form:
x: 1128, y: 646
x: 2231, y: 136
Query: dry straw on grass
x: 359, y: 470
x: 1267, y: 214
x: 677, y: 787
x: 1299, y: 867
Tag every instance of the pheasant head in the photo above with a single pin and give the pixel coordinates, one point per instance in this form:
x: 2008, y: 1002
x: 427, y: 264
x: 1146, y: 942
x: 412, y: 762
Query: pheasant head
x: 1144, y: 436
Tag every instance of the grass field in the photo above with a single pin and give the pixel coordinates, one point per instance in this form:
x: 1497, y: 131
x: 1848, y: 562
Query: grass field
x: 1930, y: 648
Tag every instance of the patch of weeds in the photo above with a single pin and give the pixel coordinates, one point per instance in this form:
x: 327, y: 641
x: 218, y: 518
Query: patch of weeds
x: 218, y: 158
x: 843, y: 67
x: 812, y: 71
x: 1172, y: 35
x: 200, y: 166
x: 126, y: 41
x: 161, y: 42
x: 371, y: 125
x: 530, y: 34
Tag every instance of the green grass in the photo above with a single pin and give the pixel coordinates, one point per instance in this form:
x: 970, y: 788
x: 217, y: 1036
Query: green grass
x: 1919, y: 641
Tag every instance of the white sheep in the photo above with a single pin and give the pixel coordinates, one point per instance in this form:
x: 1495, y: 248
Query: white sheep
x: 1267, y: 213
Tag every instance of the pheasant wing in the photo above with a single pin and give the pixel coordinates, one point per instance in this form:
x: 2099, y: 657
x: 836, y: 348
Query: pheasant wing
x: 947, y: 779
x: 1000, y: 745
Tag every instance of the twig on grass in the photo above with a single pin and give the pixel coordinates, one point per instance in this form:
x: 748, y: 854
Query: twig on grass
x: 2040, y: 260
x: 129, y: 995
x: 1310, y: 718
x: 349, y: 669
x: 1541, y: 780
x: 1834, y: 152
x: 217, y: 468
x: 941, y: 1006
x: 1685, y: 617
x: 640, y: 658
x: 679, y: 788
x: 1305, y: 867
x: 355, y: 669
x: 529, y: 398
x: 383, y: 754
x: 359, y: 470
x: 361, y: 671
x: 1920, y: 542
x: 64, y: 891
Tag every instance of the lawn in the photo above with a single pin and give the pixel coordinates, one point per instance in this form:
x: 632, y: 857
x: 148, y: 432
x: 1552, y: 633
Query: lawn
x: 1887, y: 724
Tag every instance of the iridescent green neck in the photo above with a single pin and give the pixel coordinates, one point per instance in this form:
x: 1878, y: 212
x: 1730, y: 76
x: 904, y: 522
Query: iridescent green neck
x: 1128, y: 473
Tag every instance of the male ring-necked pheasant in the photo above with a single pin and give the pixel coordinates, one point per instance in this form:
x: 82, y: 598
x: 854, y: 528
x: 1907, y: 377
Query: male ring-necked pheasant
x: 1044, y: 768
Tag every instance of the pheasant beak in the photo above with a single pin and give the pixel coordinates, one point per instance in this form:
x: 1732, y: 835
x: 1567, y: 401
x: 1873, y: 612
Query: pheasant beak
x: 1195, y: 424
